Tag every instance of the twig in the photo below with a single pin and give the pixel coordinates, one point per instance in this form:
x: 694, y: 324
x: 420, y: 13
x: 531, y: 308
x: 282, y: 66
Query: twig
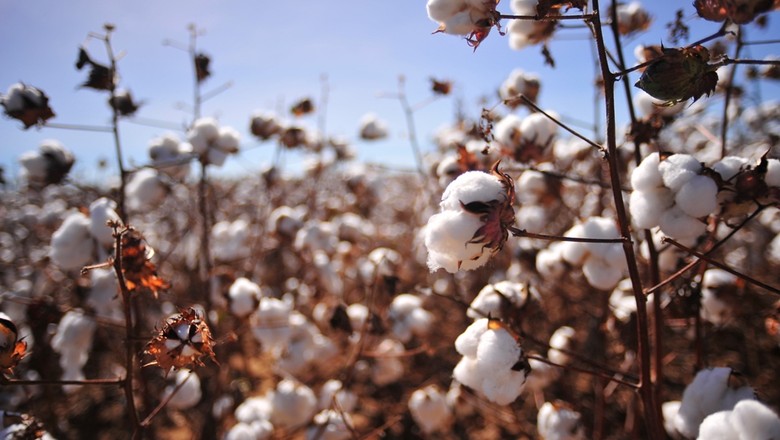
x: 609, y: 377
x: 148, y: 420
x: 724, y: 128
x: 78, y: 127
x: 547, y: 17
x: 516, y: 232
x: 96, y: 382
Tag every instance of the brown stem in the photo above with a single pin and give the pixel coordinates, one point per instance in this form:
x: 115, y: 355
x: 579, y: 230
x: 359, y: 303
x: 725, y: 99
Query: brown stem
x: 547, y: 17
x: 516, y: 232
x: 606, y: 376
x: 724, y: 127
x: 115, y: 128
x: 652, y: 419
x: 96, y: 382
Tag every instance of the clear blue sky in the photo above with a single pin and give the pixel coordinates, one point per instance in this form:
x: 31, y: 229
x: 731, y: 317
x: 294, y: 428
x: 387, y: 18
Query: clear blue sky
x: 276, y: 52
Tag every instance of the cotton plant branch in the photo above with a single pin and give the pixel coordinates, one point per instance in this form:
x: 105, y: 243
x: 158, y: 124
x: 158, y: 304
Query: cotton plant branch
x: 609, y: 377
x: 516, y: 232
x: 729, y: 92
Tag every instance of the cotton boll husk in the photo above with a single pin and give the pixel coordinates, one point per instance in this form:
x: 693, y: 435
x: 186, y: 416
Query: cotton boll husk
x: 559, y: 422
x: 429, y: 409
x: 647, y: 206
x: 677, y: 169
x: 71, y: 244
x: 244, y: 296
x: 254, y: 409
x: 601, y: 274
x: 344, y: 399
x: 330, y: 425
x: 560, y: 340
x: 679, y: 225
x: 101, y: 211
x: 447, y: 236
x: 467, y: 342
x: 189, y: 393
x: 472, y: 186
x: 646, y: 175
x: 698, y: 197
x: 292, y: 403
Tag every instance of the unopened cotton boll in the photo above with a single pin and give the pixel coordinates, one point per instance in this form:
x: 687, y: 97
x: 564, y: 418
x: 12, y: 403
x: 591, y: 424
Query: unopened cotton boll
x: 330, y: 425
x: 293, y: 404
x: 71, y: 244
x: 145, y: 189
x: 244, y: 296
x: 101, y: 211
x: 750, y: 419
x: 559, y: 421
x: 430, y: 410
x: 188, y: 393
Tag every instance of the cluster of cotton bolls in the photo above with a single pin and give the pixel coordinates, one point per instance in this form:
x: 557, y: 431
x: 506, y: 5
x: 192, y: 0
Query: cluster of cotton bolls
x: 523, y: 33
x: 49, y: 165
x: 528, y: 139
x: 211, y: 142
x: 603, y: 264
x: 73, y: 243
x: 73, y: 341
x: 519, y: 82
x: 27, y: 104
x: 710, y: 392
x: 495, y: 299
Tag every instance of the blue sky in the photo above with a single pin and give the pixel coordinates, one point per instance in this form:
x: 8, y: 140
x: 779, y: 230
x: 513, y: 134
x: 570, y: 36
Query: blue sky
x: 275, y: 53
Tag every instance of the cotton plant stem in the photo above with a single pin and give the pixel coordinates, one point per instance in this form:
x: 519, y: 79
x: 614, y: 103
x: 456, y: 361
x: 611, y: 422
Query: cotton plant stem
x: 609, y: 377
x: 516, y: 232
x: 724, y: 124
x: 646, y: 389
x: 121, y: 212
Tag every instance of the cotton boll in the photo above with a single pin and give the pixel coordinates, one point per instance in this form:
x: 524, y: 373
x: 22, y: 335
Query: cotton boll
x: 679, y: 225
x: 601, y: 274
x: 446, y: 238
x: 497, y: 351
x: 440, y: 10
x: 229, y: 239
x: 259, y: 430
x: 145, y: 189
x: 561, y: 339
x: 677, y: 169
x: 203, y: 133
x: 293, y: 404
x: 104, y: 293
x: 472, y: 186
x: 270, y: 324
x: 387, y: 367
x: 372, y: 128
x: 729, y: 166
x: 101, y: 211
x: 698, y: 197
x: 715, y: 283
x: 467, y: 342
x: 549, y: 262
x: 408, y: 317
x: 49, y: 165
x: 669, y: 411
x: 71, y: 244
x: 429, y: 409
x: 188, y: 393
x: 646, y: 175
x: 538, y: 129
x: 73, y: 340
x: 753, y: 420
x: 254, y: 409
x: 228, y: 140
x: 647, y: 206
x: 559, y: 421
x: 244, y: 297
x: 507, y: 130
x: 489, y: 300
x: 330, y: 425
x: 333, y: 395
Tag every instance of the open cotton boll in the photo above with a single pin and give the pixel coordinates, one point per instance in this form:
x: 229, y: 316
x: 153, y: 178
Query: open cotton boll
x: 259, y: 430
x: 71, y: 244
x: 270, y: 324
x: 708, y: 393
x: 429, y: 409
x: 669, y: 411
x: 679, y: 225
x: 104, y: 293
x: 559, y: 421
x: 447, y: 237
x: 507, y: 130
x: 203, y: 133
x: 750, y: 419
x: 677, y: 169
x: 538, y: 128
x: 647, y: 206
x: 601, y: 274
x: 698, y: 197
x: 387, y: 367
x: 334, y: 395
x: 101, y: 211
x: 73, y: 339
x: 490, y: 299
x: 648, y: 105
x: 440, y: 10
x: 467, y: 342
x: 646, y: 175
x: 49, y: 165
x: 408, y: 317
x: 497, y: 351
x: 549, y: 262
x: 244, y: 296
x: 228, y: 140
x: 229, y: 240
x: 533, y: 218
x: 145, y: 189
x: 330, y: 425
x: 472, y: 186
x: 561, y: 339
x: 714, y: 309
x: 254, y: 409
x: 292, y: 403
x: 188, y: 393
x: 729, y: 166
x: 772, y: 176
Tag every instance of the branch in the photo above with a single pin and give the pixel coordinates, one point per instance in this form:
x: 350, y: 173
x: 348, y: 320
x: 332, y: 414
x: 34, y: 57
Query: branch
x: 516, y: 232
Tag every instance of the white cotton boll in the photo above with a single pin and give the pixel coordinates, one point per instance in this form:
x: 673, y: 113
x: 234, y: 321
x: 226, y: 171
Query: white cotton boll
x: 145, y: 189
x: 490, y: 299
x: 561, y: 339
x: 447, y: 170
x: 517, y: 83
x: 228, y: 140
x: 773, y: 250
x: 698, y: 197
x: 259, y: 430
x: 532, y: 217
x: 497, y: 351
x: 646, y: 175
x: 503, y: 387
x: 285, y: 220
x: 317, y: 235
x: 216, y: 156
x: 538, y: 128
x: 101, y: 211
x: 558, y: 421
x: 440, y: 10
x: 71, y: 244
x: 533, y: 183
x: 646, y: 206
x: 104, y: 293
x: 772, y: 176
x: 669, y: 411
x: 358, y: 315
x: 753, y: 420
x: 244, y: 296
x: 429, y: 409
x: 73, y: 339
x: 203, y: 133
x: 230, y: 239
x: 446, y: 238
x: 188, y: 394
x: 330, y: 425
x: 679, y: 225
x: 254, y: 409
x: 709, y: 392
x: 387, y: 367
x: 408, y: 317
x: 507, y: 130
x: 467, y: 342
x: 549, y: 262
x: 542, y: 375
x: 293, y: 404
x: 472, y: 186
x: 334, y: 395
x: 601, y: 274
x: 461, y: 23
x: 648, y: 105
x: 372, y: 128
x: 729, y: 166
x: 467, y: 373
x: 677, y: 169
x: 271, y: 324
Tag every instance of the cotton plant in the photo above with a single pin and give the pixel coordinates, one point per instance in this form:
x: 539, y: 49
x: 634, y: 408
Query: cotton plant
x: 476, y: 212
x: 493, y: 363
x: 170, y: 155
x: 749, y: 419
x: 430, y: 410
x: 559, y: 421
x: 47, y: 166
x: 711, y: 391
x: 73, y: 342
x: 408, y: 318
x: 495, y: 299
x: 211, y: 142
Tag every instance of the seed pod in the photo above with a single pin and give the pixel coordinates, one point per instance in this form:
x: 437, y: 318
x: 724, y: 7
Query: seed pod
x: 680, y: 74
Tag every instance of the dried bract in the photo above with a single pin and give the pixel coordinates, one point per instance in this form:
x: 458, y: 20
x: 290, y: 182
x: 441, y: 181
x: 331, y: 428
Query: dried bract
x: 202, y: 63
x: 12, y: 350
x: 138, y: 270
x: 302, y: 107
x: 100, y: 76
x: 183, y: 341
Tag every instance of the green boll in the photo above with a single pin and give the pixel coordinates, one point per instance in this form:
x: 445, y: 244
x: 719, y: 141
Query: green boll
x: 679, y: 75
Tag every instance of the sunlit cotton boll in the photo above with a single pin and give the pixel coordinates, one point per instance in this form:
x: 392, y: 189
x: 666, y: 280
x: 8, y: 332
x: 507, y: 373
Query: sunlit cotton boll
x: 293, y: 404
x: 707, y: 394
x: 648, y: 106
x: 330, y: 425
x: 647, y: 206
x: 230, y: 240
x: 561, y: 339
x: 698, y: 197
x: 101, y: 211
x: 170, y: 155
x: 145, y: 189
x: 49, y: 165
x: 104, y: 293
x: 408, y: 317
x: 750, y: 419
x: 372, y: 128
x: 490, y: 300
x: 333, y: 395
x: 270, y: 324
x: 713, y: 308
x: 676, y: 223
x: 188, y: 393
x: 73, y: 341
x: 678, y: 169
x: 430, y: 410
x: 71, y: 244
x: 646, y: 175
x: 211, y: 142
x: 259, y: 430
x: 538, y: 129
x: 254, y: 409
x: 244, y: 297
x: 559, y: 421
